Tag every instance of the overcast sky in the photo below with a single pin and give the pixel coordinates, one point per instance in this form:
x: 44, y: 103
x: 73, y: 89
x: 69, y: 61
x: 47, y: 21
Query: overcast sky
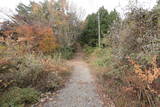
x: 89, y: 6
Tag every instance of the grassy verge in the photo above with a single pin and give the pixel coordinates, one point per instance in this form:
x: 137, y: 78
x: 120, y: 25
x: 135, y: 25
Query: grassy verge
x: 120, y: 81
x: 24, y: 77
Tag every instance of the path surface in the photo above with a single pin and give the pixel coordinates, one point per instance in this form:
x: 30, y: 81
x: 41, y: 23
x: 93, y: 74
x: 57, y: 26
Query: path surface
x: 80, y: 91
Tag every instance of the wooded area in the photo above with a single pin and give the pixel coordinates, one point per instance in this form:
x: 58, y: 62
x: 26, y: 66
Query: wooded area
x: 130, y: 58
x: 37, y: 42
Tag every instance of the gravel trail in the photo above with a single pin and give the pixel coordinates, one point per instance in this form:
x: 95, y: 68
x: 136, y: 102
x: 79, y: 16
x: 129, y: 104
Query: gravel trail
x: 80, y: 91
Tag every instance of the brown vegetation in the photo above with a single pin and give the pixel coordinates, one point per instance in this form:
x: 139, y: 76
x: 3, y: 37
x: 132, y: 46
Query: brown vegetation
x: 31, y: 51
x: 130, y: 58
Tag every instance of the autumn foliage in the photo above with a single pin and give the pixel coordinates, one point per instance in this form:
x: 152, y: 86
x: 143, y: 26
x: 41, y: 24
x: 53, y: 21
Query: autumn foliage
x: 131, y: 59
x: 39, y: 38
x: 32, y: 44
x: 147, y: 75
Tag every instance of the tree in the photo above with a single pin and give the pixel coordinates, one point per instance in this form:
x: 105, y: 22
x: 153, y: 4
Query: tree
x: 57, y: 15
x: 89, y: 34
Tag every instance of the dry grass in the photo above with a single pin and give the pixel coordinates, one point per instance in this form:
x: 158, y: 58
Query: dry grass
x: 26, y: 70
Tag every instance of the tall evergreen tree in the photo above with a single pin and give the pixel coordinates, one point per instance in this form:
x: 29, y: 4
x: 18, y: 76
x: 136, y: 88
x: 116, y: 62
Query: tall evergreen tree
x: 90, y: 32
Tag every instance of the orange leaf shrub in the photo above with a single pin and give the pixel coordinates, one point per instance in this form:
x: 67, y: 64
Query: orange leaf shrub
x: 48, y: 42
x: 40, y: 38
x: 147, y: 75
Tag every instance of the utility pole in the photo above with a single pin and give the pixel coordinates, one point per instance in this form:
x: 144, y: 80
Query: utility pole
x: 99, y: 30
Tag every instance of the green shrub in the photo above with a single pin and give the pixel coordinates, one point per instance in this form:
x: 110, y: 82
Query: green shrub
x: 65, y: 52
x: 103, y: 57
x: 17, y: 97
x: 37, y: 72
x: 29, y: 69
x: 88, y: 49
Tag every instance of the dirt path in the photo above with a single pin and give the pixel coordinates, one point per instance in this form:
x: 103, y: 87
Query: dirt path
x: 80, y: 91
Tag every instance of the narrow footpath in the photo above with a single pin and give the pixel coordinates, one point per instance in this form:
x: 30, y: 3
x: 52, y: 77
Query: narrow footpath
x: 80, y: 90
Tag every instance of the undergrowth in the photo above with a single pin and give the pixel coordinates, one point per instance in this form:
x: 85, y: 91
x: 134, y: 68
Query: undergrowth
x: 128, y: 63
x: 18, y: 97
x: 24, y: 76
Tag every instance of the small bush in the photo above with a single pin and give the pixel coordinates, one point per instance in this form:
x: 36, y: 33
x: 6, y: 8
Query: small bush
x: 17, y: 97
x: 88, y: 49
x: 104, y: 57
x: 41, y: 73
x: 65, y: 52
x: 32, y: 71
